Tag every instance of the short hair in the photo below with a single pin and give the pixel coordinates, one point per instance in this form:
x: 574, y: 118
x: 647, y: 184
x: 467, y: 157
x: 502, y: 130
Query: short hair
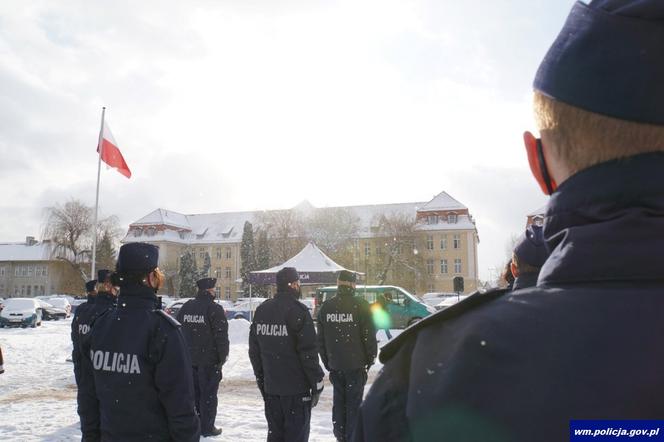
x: 523, y: 267
x: 582, y: 138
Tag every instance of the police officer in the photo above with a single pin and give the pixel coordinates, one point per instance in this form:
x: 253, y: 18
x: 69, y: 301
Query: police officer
x: 136, y: 379
x: 282, y: 349
x: 80, y: 325
x: 205, y: 328
x: 107, y: 293
x: 586, y: 342
x: 528, y: 257
x: 347, y: 346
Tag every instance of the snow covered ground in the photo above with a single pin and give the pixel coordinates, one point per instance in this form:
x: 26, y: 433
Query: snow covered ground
x: 38, y: 393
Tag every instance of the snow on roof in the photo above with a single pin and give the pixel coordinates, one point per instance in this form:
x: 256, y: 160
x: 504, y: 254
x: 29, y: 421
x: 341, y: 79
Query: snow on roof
x: 311, y: 259
x: 23, y: 252
x: 443, y: 201
x: 227, y: 227
x: 164, y: 217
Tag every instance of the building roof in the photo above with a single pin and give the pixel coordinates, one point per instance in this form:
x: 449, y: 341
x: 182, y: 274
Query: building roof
x: 24, y: 252
x: 227, y: 227
x: 443, y: 201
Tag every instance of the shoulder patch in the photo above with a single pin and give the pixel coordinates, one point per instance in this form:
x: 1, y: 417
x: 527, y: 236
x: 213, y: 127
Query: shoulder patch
x: 171, y: 320
x: 473, y: 301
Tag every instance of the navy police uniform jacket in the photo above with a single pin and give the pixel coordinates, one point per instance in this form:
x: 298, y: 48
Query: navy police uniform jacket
x: 346, y: 333
x: 205, y: 328
x: 585, y: 343
x: 80, y: 325
x: 282, y: 347
x: 136, y: 376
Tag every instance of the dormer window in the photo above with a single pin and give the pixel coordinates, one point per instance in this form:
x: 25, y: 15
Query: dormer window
x: 137, y: 232
x: 432, y: 219
x: 452, y: 218
x: 152, y: 231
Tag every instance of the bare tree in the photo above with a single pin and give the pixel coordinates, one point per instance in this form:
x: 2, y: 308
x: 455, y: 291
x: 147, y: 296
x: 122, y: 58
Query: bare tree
x: 286, y: 233
x: 69, y: 227
x: 400, y: 256
x: 333, y: 229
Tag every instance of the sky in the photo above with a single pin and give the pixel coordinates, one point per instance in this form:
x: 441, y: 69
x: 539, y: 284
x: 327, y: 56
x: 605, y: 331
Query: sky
x: 259, y: 104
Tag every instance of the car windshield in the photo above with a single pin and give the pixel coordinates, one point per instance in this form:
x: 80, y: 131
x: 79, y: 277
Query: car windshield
x: 19, y: 304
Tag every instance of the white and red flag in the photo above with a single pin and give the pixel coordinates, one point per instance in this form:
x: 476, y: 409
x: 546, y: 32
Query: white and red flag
x: 109, y: 152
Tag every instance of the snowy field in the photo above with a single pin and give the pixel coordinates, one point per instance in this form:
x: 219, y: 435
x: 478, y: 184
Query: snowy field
x: 38, y: 393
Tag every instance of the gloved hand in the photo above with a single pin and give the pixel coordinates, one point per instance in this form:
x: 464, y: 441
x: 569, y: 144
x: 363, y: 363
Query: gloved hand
x: 261, y: 387
x: 315, y: 394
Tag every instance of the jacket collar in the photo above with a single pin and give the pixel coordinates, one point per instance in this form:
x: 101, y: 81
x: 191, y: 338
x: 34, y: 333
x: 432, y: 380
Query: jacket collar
x: 204, y: 296
x: 601, y: 224
x: 105, y: 298
x: 525, y: 280
x: 137, y: 296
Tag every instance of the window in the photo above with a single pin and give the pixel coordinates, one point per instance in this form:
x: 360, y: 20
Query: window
x: 151, y: 231
x: 30, y: 271
x: 457, y: 265
x: 443, y: 266
x: 430, y: 242
x: 429, y: 266
x: 45, y: 271
x: 227, y: 293
x: 227, y: 271
x: 432, y: 219
x: 24, y: 271
x: 452, y: 218
x: 218, y: 253
x: 430, y: 287
x: 217, y: 272
x: 457, y: 241
x: 2, y: 272
x: 137, y: 232
x: 367, y: 249
x: 217, y: 292
x: 443, y: 242
x: 201, y: 255
x: 17, y: 271
x: 229, y: 255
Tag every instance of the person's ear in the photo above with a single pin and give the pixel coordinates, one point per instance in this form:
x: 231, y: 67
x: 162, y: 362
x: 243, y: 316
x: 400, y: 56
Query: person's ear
x: 537, y: 163
x: 514, y: 269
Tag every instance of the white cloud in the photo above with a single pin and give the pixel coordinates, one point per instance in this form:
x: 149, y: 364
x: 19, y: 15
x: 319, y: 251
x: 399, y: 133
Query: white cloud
x: 257, y: 104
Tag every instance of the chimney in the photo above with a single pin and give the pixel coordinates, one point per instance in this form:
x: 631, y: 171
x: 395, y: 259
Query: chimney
x: 30, y: 241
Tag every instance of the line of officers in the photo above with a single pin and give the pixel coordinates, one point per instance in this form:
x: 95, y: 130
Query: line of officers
x: 143, y: 375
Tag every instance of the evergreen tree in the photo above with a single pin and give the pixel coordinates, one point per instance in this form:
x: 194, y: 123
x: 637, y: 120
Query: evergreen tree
x: 106, y: 253
x: 188, y: 275
x: 207, y: 264
x: 247, y: 255
x: 263, y: 258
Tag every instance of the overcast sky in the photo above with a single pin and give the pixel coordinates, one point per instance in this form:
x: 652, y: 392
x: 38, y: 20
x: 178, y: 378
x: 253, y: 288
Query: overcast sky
x: 258, y: 104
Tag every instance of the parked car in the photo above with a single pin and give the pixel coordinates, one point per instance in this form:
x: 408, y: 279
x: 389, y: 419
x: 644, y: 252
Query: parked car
x: 61, y: 303
x: 50, y: 312
x: 175, y: 307
x: 450, y: 300
x: 21, y: 312
x: 404, y: 309
x: 225, y: 303
x: 310, y: 303
x: 244, y: 310
x: 434, y: 298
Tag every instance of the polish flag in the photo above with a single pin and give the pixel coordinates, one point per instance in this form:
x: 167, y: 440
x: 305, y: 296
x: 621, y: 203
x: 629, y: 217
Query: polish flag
x: 110, y: 154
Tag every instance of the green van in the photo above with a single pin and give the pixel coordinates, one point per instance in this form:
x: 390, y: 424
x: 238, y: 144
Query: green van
x: 404, y: 309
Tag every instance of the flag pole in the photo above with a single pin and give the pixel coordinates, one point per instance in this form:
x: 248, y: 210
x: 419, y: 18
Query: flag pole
x: 94, y: 223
